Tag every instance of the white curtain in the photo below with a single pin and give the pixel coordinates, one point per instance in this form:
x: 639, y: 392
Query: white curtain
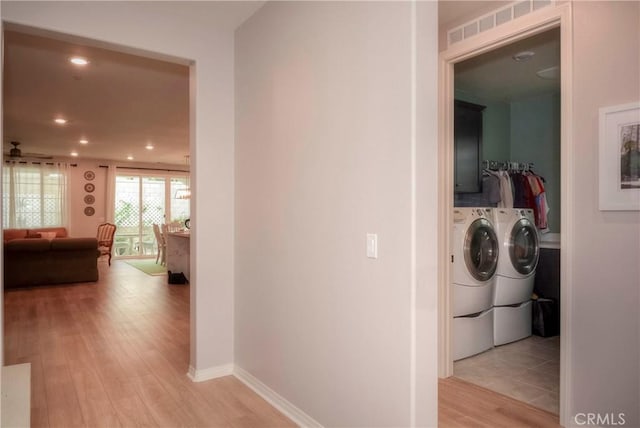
x: 35, y: 195
x: 111, y: 194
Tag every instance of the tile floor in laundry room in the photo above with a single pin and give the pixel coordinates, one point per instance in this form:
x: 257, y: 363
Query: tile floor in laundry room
x: 527, y: 370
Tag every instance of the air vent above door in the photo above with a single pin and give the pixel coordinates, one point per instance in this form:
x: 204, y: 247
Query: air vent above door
x: 498, y: 17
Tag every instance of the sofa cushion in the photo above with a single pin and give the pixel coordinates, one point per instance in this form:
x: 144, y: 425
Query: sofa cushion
x: 9, y: 234
x: 72, y: 244
x: 48, y: 235
x: 34, y: 245
x: 61, y: 232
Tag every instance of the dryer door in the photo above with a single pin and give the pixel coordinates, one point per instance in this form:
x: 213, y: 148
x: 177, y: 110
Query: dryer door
x: 523, y: 247
x: 481, y: 250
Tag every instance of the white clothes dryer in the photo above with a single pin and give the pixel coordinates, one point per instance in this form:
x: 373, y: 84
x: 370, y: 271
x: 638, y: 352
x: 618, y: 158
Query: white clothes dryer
x: 475, y: 260
x: 515, y: 274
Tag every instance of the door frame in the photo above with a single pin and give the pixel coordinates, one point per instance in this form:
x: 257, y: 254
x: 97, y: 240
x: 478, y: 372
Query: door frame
x: 558, y: 16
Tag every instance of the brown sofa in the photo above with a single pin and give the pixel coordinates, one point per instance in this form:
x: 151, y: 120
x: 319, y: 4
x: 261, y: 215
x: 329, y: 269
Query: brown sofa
x: 31, y: 260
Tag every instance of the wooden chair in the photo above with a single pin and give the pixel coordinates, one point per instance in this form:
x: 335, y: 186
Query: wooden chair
x: 105, y: 239
x: 162, y: 245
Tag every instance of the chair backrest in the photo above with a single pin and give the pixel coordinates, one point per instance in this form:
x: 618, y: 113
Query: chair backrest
x: 159, y: 236
x: 105, y: 234
x: 175, y: 226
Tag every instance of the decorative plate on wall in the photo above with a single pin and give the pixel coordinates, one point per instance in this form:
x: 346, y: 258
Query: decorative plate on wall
x: 89, y: 199
x: 89, y: 187
x: 89, y: 211
x: 89, y: 175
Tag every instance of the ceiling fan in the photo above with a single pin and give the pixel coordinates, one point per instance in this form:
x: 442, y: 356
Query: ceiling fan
x: 16, y: 153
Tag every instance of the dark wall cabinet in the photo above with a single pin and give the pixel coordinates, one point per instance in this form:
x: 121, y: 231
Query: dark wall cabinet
x: 467, y: 147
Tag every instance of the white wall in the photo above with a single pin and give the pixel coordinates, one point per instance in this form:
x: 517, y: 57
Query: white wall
x: 200, y: 32
x: 605, y: 319
x: 323, y: 157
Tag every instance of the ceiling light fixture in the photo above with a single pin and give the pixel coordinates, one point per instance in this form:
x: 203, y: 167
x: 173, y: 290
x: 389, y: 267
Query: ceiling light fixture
x: 77, y: 60
x: 60, y: 121
x: 523, y: 56
x: 551, y: 73
x: 74, y: 154
x: 84, y: 141
x: 149, y: 146
x: 129, y: 157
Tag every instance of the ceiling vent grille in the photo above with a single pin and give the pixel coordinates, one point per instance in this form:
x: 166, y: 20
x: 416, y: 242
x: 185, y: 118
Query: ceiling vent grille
x: 498, y: 17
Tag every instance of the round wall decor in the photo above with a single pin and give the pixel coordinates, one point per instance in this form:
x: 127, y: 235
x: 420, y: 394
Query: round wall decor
x: 89, y: 211
x: 89, y: 175
x: 89, y: 187
x: 89, y: 199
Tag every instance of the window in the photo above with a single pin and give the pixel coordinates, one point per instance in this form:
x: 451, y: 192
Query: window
x: 34, y: 195
x: 142, y: 200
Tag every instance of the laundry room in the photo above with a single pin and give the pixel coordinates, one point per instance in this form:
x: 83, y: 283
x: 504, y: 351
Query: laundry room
x: 506, y: 220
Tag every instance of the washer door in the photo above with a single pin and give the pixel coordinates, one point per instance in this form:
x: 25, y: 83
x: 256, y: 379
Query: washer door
x: 481, y: 250
x: 523, y: 247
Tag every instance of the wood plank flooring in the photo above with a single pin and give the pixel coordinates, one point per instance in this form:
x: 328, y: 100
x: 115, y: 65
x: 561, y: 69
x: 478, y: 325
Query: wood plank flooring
x: 115, y: 354
x: 463, y: 404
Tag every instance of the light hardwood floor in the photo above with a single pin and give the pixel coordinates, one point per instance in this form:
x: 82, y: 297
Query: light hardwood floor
x: 462, y: 404
x: 115, y: 353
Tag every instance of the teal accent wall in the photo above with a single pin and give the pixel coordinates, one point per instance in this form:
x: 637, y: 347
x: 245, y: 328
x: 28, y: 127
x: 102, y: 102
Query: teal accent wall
x: 535, y: 137
x: 495, y: 127
x: 526, y: 130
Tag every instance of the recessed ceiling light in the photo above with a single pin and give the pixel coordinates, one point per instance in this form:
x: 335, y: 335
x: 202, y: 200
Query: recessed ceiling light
x: 149, y: 146
x: 60, y: 121
x: 129, y: 157
x: 77, y: 60
x: 74, y: 154
x: 84, y: 141
x: 523, y: 56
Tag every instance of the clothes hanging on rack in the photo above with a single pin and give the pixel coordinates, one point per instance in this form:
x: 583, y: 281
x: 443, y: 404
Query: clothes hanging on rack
x: 506, y: 191
x: 517, y: 187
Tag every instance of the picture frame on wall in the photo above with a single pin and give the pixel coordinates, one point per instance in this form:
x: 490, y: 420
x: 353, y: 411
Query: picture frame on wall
x: 620, y: 158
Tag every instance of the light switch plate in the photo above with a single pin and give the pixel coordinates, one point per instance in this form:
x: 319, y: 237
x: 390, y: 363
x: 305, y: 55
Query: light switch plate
x: 372, y: 245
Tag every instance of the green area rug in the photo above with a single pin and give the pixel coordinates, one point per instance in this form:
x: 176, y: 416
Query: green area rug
x: 148, y: 266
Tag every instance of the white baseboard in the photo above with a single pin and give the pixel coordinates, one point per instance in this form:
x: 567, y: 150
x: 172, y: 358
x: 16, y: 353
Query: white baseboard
x: 299, y: 417
x: 210, y: 373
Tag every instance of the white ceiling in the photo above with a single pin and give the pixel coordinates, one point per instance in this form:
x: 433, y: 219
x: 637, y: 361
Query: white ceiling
x: 119, y: 102
x: 495, y: 76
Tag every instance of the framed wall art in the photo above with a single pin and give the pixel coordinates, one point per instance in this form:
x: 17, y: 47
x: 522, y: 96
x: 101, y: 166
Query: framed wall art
x: 620, y: 158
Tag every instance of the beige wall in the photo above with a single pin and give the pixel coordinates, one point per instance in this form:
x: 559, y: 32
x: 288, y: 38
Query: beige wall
x: 606, y: 319
x: 323, y: 157
x: 79, y: 223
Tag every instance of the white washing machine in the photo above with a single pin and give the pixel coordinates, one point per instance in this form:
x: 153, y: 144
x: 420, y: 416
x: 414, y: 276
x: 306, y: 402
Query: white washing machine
x: 515, y: 275
x: 475, y: 260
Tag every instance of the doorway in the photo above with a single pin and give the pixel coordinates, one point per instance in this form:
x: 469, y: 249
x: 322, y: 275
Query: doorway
x: 526, y: 27
x: 140, y: 202
x: 77, y: 143
x: 507, y: 136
